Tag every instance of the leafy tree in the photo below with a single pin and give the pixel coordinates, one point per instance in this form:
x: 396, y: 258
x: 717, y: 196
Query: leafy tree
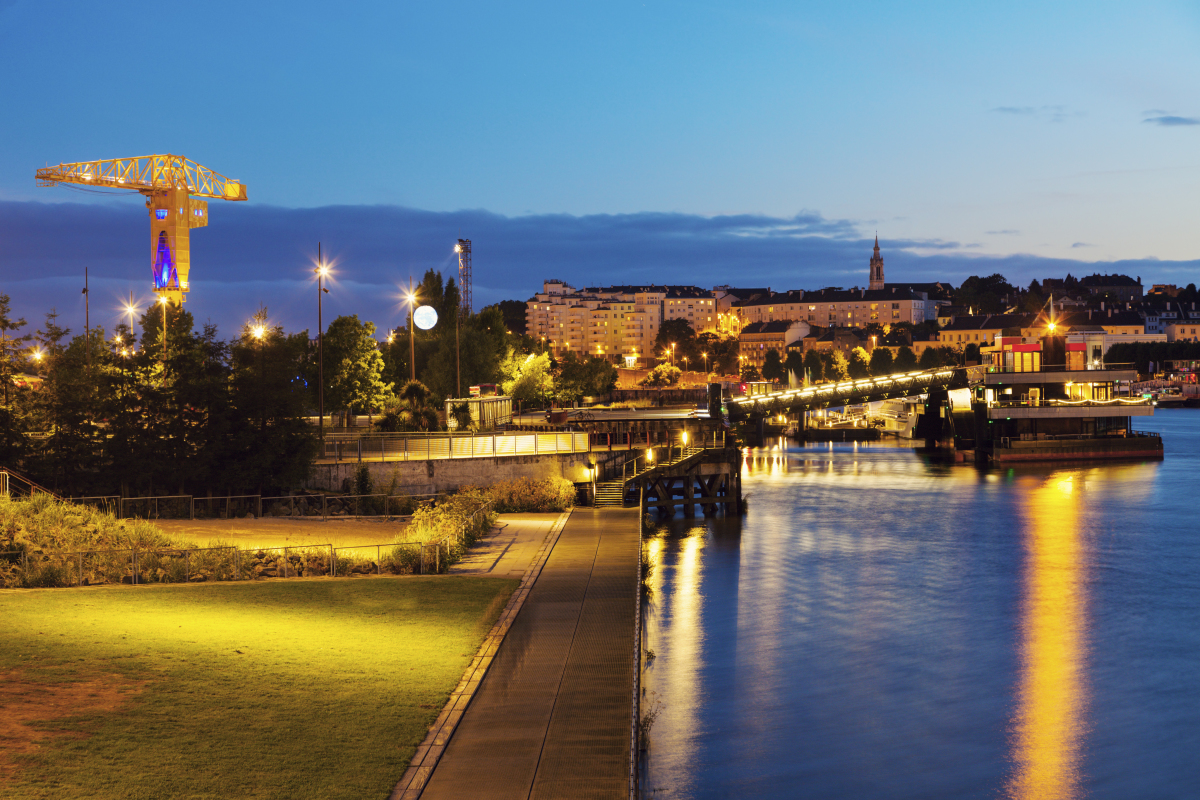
x: 971, y: 352
x: 683, y: 335
x: 750, y: 373
x: 772, y: 369
x: 860, y: 363
x: 931, y: 358
x: 722, y: 352
x: 583, y: 377
x: 990, y: 295
x: 662, y: 375
x: 11, y: 358
x: 526, y: 377
x: 882, y: 362
x: 482, y: 343
x: 513, y: 312
x: 354, y: 366
x: 905, y: 361
x: 814, y: 366
x: 837, y: 367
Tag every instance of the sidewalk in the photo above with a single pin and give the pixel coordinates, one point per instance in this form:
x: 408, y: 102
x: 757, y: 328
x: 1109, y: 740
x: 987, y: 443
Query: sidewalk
x: 552, y: 718
x: 509, y: 549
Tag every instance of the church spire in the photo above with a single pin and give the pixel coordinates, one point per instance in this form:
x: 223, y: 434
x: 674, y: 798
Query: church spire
x: 876, y: 267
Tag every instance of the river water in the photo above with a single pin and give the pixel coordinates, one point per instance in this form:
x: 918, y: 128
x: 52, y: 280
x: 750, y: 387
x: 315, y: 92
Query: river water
x: 883, y: 626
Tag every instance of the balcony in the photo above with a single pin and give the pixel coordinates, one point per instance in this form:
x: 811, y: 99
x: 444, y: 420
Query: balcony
x: 1069, y: 409
x: 997, y: 375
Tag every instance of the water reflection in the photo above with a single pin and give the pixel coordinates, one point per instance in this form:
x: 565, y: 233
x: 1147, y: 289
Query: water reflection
x: 1048, y: 726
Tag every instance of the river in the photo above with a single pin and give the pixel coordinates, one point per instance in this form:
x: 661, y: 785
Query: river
x: 882, y: 626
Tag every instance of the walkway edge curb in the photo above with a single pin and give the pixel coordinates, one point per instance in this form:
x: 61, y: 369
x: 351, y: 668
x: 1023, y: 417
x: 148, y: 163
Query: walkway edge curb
x: 429, y: 752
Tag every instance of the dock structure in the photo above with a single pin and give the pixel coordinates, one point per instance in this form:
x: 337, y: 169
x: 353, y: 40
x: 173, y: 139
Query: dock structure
x: 553, y: 717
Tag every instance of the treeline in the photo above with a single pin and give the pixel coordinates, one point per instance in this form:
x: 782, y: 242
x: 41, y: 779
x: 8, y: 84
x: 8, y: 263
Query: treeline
x: 1146, y: 354
x: 834, y: 365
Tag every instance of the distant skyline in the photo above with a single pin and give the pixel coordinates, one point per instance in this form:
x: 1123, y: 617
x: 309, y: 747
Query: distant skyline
x: 621, y: 138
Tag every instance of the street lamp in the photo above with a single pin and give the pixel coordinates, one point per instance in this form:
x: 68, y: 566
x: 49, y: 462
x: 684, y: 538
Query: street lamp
x: 705, y: 357
x: 322, y: 272
x: 259, y: 332
x: 671, y: 353
x: 412, y: 342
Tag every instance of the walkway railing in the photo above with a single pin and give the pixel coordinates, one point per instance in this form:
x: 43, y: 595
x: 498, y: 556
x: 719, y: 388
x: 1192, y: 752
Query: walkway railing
x: 426, y: 447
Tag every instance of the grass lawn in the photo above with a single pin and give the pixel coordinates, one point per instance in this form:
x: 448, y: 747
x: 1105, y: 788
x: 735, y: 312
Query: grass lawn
x: 309, y: 688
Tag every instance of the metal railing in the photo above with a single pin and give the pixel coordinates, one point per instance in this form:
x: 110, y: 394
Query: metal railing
x: 1012, y: 368
x: 14, y: 484
x: 1053, y: 402
x: 427, y: 447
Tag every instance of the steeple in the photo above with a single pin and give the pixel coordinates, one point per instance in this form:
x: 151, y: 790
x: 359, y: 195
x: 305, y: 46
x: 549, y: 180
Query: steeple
x: 876, y: 267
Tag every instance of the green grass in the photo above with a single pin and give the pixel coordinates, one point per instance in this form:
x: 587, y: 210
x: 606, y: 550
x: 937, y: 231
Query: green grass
x: 336, y: 683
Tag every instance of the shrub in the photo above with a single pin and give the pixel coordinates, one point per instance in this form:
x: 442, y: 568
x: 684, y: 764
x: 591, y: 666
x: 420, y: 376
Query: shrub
x: 527, y: 494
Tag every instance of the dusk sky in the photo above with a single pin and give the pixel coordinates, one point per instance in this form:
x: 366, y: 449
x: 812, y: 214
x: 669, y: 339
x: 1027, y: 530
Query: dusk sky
x: 744, y: 143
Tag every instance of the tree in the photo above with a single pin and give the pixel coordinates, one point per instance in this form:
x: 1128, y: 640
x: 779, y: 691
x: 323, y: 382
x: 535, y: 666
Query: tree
x: 882, y: 362
x: 837, y: 367
x: 11, y: 359
x: 587, y: 376
x: 680, y: 333
x: 750, y: 373
x: 772, y: 369
x: 931, y: 358
x: 860, y: 363
x: 905, y: 361
x: 354, y: 366
x: 661, y: 376
x: 971, y: 353
x: 990, y: 295
x: 413, y: 410
x: 814, y: 366
x: 526, y: 377
x: 722, y: 352
x: 513, y: 312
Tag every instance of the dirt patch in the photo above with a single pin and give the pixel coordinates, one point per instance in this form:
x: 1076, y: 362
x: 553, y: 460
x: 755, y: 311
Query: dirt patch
x: 24, y: 703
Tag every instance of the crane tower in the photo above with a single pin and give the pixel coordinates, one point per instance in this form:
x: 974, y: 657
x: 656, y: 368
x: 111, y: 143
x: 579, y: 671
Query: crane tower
x: 463, y: 248
x: 171, y: 185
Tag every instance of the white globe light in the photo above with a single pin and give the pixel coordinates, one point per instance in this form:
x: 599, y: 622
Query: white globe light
x: 425, y: 317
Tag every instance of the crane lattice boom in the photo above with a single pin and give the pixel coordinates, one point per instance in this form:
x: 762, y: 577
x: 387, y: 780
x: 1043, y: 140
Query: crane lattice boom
x: 146, y: 174
x: 171, y: 185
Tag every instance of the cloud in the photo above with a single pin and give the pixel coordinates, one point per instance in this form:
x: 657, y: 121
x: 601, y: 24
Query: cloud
x: 252, y: 254
x: 1006, y: 232
x: 1044, y: 113
x: 1171, y: 121
x: 1082, y: 244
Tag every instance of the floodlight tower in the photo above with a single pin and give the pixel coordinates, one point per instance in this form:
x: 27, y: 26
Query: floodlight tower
x: 463, y: 248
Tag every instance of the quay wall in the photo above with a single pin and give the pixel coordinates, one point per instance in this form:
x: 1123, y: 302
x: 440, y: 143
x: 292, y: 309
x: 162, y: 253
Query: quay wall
x: 446, y: 474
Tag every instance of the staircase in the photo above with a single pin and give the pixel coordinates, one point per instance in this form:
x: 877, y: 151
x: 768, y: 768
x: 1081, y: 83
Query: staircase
x: 610, y: 494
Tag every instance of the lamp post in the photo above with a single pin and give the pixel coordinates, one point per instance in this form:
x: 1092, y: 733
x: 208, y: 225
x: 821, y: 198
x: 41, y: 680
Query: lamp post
x: 705, y: 357
x: 671, y: 352
x: 162, y: 299
x: 259, y: 332
x: 412, y: 341
x: 322, y: 272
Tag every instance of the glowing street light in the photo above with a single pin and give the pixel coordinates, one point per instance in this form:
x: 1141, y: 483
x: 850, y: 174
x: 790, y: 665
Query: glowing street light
x: 411, y: 297
x: 322, y: 273
x: 705, y: 357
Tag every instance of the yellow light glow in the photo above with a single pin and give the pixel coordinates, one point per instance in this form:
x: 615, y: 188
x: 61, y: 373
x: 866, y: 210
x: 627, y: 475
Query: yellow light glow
x: 1052, y: 695
x: 322, y: 270
x: 258, y: 331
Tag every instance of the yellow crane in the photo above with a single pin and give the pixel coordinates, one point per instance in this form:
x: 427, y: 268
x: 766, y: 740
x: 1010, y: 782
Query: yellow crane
x: 171, y: 185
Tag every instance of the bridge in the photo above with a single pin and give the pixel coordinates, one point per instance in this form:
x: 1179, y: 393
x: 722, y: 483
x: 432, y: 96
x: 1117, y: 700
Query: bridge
x: 841, y: 393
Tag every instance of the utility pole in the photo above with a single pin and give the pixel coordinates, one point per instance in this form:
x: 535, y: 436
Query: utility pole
x: 87, y: 320
x: 463, y: 248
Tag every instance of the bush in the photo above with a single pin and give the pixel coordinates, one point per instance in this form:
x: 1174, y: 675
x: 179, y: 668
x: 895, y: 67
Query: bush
x: 526, y: 494
x: 662, y: 375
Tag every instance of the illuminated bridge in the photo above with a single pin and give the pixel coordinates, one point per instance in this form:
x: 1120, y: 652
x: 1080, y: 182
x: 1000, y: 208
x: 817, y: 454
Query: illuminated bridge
x: 826, y: 395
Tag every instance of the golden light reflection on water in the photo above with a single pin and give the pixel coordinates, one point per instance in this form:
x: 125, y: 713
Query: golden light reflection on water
x: 1048, y: 726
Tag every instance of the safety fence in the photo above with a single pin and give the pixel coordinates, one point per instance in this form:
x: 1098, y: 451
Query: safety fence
x: 428, y: 447
x: 253, y: 506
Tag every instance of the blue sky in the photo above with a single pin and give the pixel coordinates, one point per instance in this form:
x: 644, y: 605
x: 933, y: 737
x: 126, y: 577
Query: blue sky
x: 675, y: 142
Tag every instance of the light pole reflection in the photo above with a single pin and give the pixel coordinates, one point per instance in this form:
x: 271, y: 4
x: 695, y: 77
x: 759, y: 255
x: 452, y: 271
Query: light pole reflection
x: 1048, y: 726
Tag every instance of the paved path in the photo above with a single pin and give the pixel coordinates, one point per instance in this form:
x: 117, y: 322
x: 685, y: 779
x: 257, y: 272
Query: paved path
x: 552, y: 717
x: 509, y: 549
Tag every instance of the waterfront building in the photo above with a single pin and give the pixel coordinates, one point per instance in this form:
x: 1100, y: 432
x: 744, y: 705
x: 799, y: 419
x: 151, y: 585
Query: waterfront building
x: 758, y: 337
x: 614, y: 321
x: 1051, y: 398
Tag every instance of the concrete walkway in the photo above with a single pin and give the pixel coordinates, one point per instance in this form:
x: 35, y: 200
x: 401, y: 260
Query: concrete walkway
x: 552, y: 717
x: 509, y: 549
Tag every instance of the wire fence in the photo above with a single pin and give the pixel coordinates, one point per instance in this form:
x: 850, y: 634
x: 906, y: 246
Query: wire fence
x: 253, y: 506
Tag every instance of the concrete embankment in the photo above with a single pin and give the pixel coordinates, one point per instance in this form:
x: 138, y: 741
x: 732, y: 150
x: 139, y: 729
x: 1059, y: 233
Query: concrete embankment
x: 446, y: 474
x: 553, y: 716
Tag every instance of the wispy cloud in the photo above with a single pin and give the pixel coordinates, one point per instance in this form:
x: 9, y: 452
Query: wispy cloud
x: 1042, y: 113
x: 1006, y: 232
x: 1171, y: 121
x: 1081, y: 244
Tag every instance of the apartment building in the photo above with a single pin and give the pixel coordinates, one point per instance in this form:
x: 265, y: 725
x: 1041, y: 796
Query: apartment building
x: 758, y: 337
x: 614, y: 321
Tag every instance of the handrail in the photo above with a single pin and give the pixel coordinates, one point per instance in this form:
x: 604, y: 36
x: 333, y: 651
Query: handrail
x: 31, y: 486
